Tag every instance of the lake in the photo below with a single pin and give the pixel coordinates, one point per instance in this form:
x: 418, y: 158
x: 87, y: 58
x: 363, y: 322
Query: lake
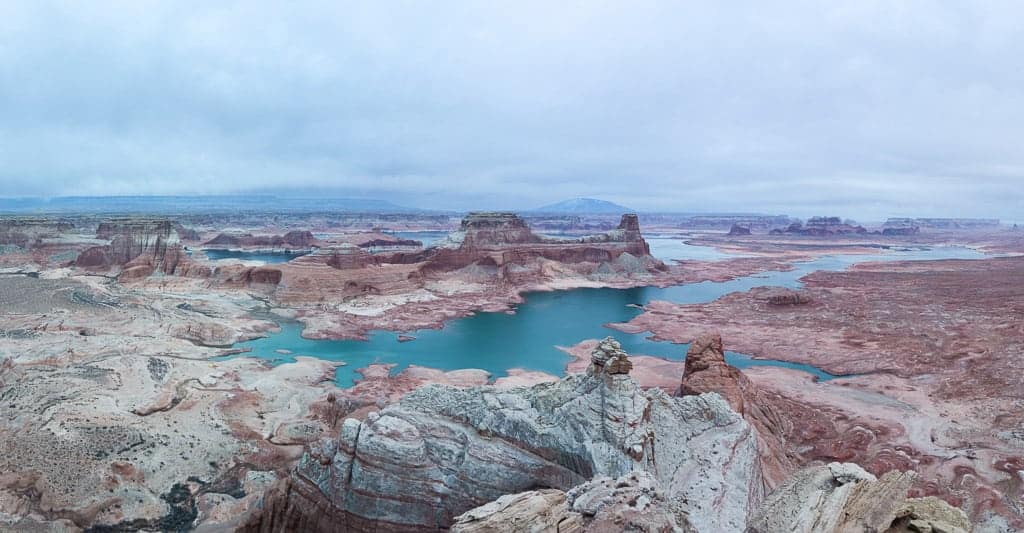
x: 266, y: 257
x: 530, y: 337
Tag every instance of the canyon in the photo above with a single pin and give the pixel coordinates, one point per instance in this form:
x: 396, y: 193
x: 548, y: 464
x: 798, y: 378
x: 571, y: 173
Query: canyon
x: 125, y: 350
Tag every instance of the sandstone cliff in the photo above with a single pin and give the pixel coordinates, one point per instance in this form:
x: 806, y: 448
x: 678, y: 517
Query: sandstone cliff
x: 138, y: 246
x: 442, y: 451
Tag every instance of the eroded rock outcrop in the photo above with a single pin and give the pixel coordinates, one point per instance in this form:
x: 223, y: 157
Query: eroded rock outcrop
x: 838, y: 497
x: 442, y: 451
x: 705, y: 371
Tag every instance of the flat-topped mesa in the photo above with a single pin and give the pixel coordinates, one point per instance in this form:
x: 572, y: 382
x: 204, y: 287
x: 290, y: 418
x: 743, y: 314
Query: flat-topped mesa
x: 140, y: 246
x: 441, y: 451
x: 483, y: 229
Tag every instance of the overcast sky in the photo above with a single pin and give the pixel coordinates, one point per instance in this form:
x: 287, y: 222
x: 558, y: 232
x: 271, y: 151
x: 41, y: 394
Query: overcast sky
x: 859, y: 108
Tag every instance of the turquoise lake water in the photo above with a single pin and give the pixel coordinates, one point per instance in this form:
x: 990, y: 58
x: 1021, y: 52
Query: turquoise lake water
x: 529, y: 338
x: 266, y: 257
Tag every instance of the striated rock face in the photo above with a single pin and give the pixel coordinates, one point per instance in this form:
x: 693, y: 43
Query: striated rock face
x: 633, y: 502
x: 139, y: 246
x: 495, y: 229
x: 441, y: 451
x: 838, y: 497
x: 705, y: 371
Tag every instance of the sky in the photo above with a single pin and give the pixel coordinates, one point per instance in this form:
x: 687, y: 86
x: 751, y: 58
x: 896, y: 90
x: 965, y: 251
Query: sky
x: 858, y: 108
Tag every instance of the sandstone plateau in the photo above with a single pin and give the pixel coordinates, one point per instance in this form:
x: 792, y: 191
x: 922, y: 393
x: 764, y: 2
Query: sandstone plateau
x: 119, y: 359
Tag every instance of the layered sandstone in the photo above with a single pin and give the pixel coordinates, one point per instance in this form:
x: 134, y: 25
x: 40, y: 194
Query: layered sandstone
x: 139, y: 247
x: 442, y: 451
x: 498, y: 239
x: 833, y: 498
x: 706, y: 371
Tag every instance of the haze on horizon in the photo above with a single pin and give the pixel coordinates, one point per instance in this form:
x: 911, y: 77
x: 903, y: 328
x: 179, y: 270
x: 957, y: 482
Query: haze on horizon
x: 863, y: 109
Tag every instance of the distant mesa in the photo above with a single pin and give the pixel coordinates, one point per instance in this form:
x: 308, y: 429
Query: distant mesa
x: 822, y: 226
x: 585, y: 205
x: 737, y: 230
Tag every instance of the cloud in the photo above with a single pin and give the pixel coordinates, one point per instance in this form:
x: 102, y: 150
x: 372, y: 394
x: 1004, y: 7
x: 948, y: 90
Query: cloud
x: 864, y: 108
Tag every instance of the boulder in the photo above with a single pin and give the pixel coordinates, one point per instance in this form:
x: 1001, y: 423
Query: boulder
x: 833, y: 498
x: 930, y: 514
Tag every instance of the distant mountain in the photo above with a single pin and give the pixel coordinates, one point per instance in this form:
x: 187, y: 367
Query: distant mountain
x: 584, y: 206
x: 197, y: 204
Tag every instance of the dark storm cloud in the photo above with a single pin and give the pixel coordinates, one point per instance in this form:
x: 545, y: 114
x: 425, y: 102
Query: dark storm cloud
x: 865, y: 108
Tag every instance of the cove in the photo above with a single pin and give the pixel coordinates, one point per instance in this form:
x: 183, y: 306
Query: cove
x: 529, y: 338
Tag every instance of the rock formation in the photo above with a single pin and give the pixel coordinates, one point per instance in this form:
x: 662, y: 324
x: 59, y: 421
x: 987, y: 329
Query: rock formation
x: 139, y: 246
x: 822, y: 227
x: 737, y: 230
x: 504, y: 238
x: 930, y: 514
x: 782, y: 296
x: 633, y: 502
x: 839, y: 497
x: 442, y: 451
x: 706, y: 371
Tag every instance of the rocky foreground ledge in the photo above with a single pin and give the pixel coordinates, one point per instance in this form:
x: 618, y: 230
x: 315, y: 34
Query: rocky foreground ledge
x: 442, y: 451
x: 590, y: 452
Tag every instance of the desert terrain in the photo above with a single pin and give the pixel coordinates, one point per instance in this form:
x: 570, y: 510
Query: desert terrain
x: 130, y: 403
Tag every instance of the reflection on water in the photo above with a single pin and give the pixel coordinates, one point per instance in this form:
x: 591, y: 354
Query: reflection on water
x: 529, y: 338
